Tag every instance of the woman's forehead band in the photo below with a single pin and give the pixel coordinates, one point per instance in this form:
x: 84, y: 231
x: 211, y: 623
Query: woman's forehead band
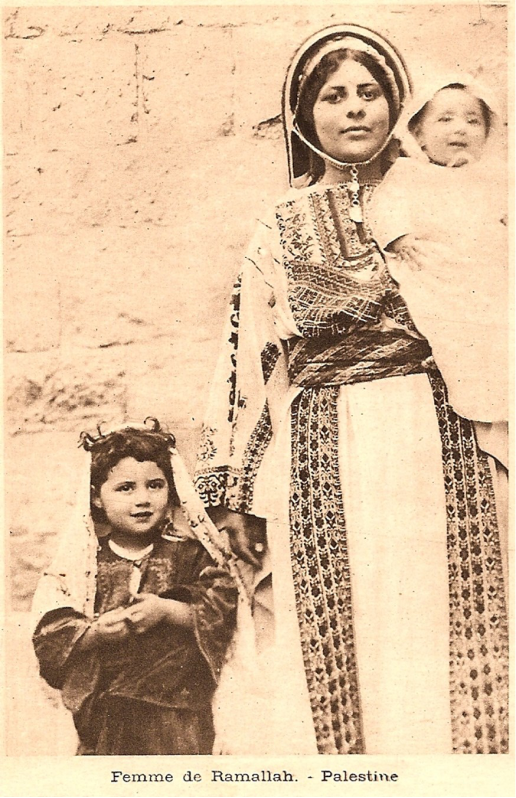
x: 349, y: 43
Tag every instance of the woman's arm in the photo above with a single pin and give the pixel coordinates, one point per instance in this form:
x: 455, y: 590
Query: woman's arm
x: 237, y: 429
x: 247, y: 533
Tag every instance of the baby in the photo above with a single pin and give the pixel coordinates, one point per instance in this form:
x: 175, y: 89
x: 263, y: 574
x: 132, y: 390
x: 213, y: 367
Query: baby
x: 441, y: 216
x: 134, y: 617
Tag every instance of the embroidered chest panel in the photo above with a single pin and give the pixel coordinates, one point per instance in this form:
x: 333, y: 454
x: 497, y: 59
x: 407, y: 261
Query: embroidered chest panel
x: 336, y: 275
x: 156, y: 574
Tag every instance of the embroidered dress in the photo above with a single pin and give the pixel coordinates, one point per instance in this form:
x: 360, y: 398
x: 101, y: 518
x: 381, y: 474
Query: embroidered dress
x: 151, y: 693
x: 329, y: 418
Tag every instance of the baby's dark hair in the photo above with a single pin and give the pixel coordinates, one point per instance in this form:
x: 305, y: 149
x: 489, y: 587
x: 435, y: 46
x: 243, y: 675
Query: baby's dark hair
x: 152, y: 444
x: 487, y: 115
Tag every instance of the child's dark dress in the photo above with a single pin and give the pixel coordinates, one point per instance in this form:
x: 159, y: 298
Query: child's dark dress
x: 150, y: 693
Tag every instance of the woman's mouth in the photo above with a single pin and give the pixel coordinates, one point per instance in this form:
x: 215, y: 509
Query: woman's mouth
x: 356, y: 129
x: 142, y: 516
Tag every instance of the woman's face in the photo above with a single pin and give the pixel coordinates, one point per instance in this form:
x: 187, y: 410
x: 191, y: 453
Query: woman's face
x: 351, y: 114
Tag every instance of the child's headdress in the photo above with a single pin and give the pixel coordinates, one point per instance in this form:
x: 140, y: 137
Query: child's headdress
x: 426, y: 88
x: 70, y: 580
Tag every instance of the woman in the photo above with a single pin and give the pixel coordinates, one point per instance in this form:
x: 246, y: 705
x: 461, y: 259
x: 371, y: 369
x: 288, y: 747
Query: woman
x: 390, y: 629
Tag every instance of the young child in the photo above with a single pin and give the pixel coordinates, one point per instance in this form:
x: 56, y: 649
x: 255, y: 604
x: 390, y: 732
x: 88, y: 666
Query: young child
x: 441, y: 215
x: 133, y: 617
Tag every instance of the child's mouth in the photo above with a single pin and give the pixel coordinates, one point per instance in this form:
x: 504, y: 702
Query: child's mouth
x: 143, y: 515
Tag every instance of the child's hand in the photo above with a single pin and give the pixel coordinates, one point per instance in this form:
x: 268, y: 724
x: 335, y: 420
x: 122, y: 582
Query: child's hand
x: 149, y: 610
x: 111, y: 627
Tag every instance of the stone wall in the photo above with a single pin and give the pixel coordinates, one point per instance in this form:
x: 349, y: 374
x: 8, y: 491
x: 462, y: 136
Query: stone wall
x: 141, y: 144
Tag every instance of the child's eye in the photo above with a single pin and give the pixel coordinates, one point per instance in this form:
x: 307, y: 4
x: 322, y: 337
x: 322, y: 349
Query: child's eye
x: 157, y: 484
x: 474, y: 121
x: 445, y: 119
x: 124, y: 488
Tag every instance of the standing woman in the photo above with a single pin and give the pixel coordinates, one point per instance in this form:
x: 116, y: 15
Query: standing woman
x: 385, y: 629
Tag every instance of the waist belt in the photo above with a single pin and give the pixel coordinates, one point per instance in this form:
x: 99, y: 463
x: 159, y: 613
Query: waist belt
x: 360, y: 356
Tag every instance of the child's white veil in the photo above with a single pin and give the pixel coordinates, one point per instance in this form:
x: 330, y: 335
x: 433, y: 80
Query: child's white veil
x: 70, y: 579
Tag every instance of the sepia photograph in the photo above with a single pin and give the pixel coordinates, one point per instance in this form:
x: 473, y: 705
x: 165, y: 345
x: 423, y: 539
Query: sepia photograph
x: 258, y: 335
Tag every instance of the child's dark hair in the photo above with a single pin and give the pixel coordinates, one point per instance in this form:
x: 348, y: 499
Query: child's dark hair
x: 487, y: 115
x: 152, y: 444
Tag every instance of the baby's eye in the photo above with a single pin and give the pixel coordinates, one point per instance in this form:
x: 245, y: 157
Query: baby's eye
x: 445, y: 119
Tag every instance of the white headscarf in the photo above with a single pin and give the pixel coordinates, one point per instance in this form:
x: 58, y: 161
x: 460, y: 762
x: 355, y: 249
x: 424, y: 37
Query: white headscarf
x: 70, y: 579
x: 354, y: 37
x: 426, y: 89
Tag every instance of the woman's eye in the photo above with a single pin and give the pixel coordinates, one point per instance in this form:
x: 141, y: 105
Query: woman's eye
x: 334, y: 97
x: 370, y: 94
x: 124, y: 488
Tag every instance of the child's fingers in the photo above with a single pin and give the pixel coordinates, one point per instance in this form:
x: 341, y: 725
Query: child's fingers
x: 113, y: 632
x: 113, y: 621
x: 138, y: 624
x: 142, y: 596
x: 138, y: 615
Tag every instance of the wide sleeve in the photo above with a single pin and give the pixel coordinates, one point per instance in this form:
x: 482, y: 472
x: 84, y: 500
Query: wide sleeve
x: 214, y: 603
x: 212, y: 595
x: 62, y: 664
x: 250, y: 373
x: 55, y: 640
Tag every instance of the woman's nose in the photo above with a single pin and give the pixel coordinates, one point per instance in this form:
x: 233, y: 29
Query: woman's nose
x: 355, y: 107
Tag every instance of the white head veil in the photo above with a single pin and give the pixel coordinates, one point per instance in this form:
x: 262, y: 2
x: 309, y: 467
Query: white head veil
x: 310, y: 53
x: 70, y: 579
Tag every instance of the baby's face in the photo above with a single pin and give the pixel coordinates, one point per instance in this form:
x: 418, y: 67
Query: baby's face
x: 453, y: 130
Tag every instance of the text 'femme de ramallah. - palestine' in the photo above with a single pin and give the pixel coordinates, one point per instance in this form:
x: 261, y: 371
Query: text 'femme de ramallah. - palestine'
x: 118, y: 776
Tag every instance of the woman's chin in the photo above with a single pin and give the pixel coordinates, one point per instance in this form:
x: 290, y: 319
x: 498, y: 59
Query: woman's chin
x: 355, y: 155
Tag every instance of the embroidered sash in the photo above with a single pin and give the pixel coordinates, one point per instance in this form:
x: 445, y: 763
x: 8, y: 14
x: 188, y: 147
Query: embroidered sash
x: 478, y: 616
x: 359, y: 356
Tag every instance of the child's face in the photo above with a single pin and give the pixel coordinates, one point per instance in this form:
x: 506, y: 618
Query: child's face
x: 453, y: 129
x: 134, y: 497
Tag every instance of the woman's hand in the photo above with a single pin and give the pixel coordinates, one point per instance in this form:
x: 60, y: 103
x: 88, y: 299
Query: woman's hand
x: 246, y: 533
x: 148, y: 610
x: 420, y: 254
x: 409, y: 249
